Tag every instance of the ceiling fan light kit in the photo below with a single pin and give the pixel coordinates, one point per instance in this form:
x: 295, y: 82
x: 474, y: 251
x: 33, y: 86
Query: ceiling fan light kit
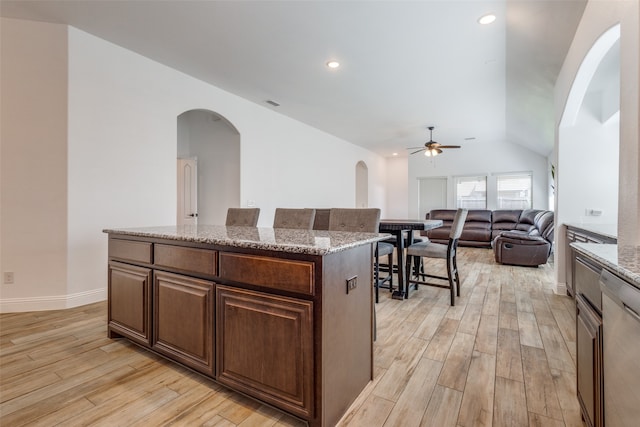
x: 431, y: 148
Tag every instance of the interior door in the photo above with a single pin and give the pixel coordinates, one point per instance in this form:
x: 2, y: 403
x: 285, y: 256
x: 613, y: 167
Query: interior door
x: 187, y: 192
x: 433, y: 194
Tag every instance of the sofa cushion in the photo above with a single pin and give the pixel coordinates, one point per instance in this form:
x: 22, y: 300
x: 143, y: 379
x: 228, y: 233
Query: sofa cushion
x: 476, y: 232
x: 504, y: 220
x: 527, y: 220
x: 545, y: 225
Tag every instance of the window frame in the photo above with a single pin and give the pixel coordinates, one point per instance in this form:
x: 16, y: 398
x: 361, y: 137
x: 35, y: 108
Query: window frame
x: 469, y: 178
x: 517, y: 175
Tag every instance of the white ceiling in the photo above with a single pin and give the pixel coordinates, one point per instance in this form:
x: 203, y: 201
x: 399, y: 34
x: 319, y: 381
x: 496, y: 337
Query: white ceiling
x: 406, y: 65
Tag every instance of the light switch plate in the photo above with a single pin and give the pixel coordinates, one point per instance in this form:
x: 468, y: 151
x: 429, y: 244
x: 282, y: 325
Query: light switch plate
x: 352, y: 283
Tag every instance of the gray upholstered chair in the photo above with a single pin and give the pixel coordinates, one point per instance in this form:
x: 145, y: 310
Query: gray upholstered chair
x: 242, y: 217
x: 301, y: 219
x: 447, y: 252
x: 365, y: 220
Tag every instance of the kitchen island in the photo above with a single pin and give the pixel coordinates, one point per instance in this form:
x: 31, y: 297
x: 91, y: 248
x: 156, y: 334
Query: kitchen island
x: 284, y: 316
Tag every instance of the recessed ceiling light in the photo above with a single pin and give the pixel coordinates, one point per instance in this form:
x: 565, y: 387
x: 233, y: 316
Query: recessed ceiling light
x: 394, y: 154
x: 333, y: 64
x: 487, y: 19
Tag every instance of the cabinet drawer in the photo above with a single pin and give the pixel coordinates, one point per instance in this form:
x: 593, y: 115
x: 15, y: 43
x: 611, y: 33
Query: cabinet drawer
x: 194, y: 260
x: 287, y: 275
x: 130, y: 250
x: 587, y: 277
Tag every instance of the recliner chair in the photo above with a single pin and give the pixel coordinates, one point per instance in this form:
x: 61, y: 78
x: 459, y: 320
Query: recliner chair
x: 527, y: 248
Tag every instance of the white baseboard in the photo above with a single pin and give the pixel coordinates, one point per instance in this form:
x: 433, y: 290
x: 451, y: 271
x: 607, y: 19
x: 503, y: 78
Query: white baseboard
x: 57, y: 302
x: 561, y: 288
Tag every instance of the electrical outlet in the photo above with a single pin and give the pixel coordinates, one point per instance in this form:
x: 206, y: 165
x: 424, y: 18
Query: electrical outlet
x: 8, y: 278
x: 352, y: 283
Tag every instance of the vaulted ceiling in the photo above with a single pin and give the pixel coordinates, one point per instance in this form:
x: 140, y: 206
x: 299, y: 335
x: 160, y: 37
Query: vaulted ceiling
x: 405, y: 65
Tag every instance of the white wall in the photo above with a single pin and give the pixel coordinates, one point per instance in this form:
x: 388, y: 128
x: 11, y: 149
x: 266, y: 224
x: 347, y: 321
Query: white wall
x: 481, y: 158
x: 33, y: 194
x: 122, y: 150
x: 598, y: 17
x: 397, y: 187
x: 588, y: 168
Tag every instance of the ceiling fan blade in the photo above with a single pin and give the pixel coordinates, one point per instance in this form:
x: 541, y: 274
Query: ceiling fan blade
x: 415, y: 148
x: 449, y: 146
x: 422, y: 149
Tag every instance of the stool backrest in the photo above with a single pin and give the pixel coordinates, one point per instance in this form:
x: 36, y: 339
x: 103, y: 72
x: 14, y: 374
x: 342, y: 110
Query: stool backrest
x: 366, y: 220
x: 301, y: 219
x: 458, y: 224
x: 242, y: 217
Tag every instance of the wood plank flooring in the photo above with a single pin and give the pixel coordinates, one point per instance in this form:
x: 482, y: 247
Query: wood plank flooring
x: 503, y: 356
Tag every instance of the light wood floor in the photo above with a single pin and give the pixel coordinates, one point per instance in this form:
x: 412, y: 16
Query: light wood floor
x: 503, y: 356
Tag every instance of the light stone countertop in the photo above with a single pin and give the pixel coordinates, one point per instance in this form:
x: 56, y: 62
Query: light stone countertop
x: 624, y: 260
x: 311, y: 242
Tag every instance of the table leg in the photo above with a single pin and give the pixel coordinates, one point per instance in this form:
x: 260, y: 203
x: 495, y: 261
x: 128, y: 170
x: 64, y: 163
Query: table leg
x: 401, y: 292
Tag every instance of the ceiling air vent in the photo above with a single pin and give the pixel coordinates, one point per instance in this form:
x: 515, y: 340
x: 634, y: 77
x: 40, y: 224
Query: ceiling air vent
x: 274, y: 103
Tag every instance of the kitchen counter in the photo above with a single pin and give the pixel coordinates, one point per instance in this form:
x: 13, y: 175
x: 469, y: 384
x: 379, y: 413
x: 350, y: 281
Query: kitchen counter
x: 310, y: 242
x: 623, y: 260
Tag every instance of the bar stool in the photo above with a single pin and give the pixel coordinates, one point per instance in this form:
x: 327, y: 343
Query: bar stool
x: 447, y: 252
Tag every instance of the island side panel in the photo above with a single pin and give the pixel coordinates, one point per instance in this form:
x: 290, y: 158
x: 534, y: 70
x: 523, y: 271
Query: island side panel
x: 347, y: 330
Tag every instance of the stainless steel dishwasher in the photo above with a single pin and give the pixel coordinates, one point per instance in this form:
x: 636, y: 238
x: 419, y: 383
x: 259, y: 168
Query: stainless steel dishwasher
x: 621, y: 358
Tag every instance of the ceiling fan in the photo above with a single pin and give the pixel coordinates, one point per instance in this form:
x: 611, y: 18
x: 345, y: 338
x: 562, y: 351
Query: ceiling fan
x: 431, y: 148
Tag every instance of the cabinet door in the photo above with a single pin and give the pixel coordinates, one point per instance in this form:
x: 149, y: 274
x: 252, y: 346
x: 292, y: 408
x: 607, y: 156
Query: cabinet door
x: 129, y: 302
x: 589, y: 375
x: 265, y: 347
x: 183, y: 320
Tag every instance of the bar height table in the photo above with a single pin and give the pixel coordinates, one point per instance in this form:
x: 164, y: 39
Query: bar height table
x: 397, y: 227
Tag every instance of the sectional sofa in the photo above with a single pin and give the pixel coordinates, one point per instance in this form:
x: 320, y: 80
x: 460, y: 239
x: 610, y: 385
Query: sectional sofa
x: 518, y: 237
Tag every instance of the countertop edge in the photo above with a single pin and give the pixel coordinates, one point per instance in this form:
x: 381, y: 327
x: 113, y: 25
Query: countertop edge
x: 603, y: 253
x: 249, y: 244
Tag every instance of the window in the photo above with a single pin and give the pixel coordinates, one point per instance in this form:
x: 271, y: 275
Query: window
x: 514, y: 190
x: 471, y: 192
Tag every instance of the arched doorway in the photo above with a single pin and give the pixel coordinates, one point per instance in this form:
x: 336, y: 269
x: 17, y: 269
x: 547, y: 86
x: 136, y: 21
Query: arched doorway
x: 362, y: 185
x: 210, y: 144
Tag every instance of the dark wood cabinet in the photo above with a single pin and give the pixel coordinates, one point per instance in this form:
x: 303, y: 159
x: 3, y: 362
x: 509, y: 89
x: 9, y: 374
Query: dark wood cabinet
x: 589, y: 338
x: 129, y: 312
x: 281, y: 326
x: 183, y: 320
x: 580, y: 235
x: 589, y: 363
x: 265, y: 347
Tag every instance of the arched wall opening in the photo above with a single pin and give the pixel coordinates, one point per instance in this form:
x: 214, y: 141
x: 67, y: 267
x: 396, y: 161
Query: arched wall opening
x: 214, y: 143
x: 588, y: 147
x: 362, y: 185
x: 589, y: 138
